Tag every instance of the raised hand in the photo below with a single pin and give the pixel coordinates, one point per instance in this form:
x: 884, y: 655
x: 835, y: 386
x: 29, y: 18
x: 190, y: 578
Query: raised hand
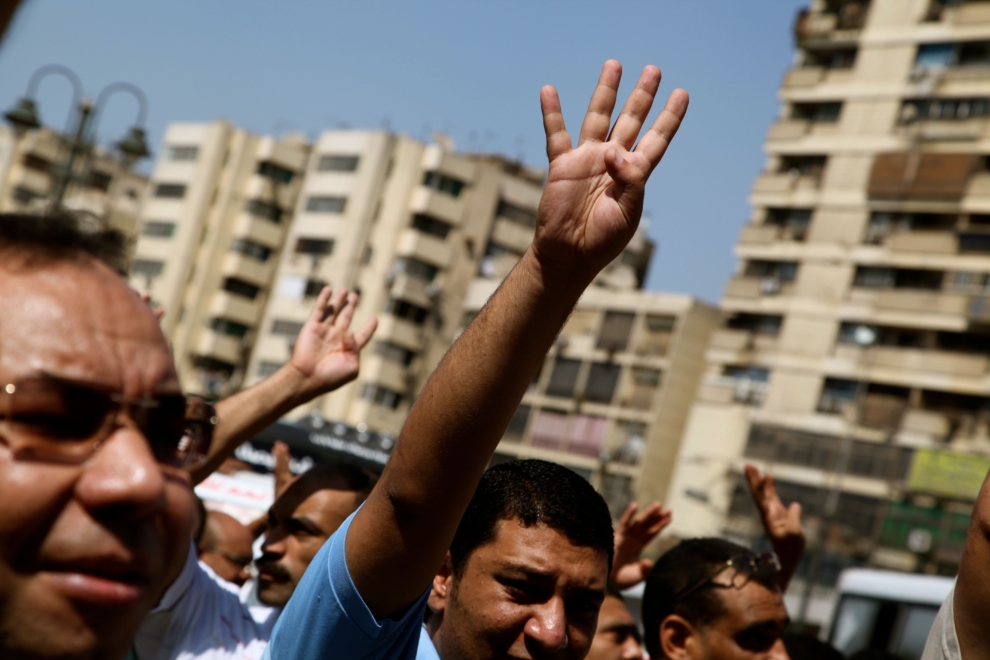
x: 632, y: 535
x: 593, y: 199
x: 327, y: 352
x: 283, y: 475
x: 782, y: 524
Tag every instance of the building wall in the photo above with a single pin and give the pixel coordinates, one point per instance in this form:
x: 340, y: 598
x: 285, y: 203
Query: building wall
x: 854, y: 333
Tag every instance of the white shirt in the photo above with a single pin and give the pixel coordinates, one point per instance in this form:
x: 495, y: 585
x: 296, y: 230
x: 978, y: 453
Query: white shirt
x: 201, y: 617
x: 943, y: 644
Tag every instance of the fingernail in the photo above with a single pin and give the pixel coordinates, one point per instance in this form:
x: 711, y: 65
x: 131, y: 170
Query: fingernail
x: 618, y: 158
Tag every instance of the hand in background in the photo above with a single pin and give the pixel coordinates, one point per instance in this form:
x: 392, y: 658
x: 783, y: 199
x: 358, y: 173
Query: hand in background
x: 327, y: 352
x: 782, y: 524
x: 632, y: 535
x: 283, y: 475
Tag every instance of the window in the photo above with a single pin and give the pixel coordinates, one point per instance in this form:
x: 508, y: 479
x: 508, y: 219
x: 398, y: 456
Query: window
x: 837, y: 394
x: 227, y: 327
x: 170, y: 190
x: 817, y: 113
x: 277, y: 173
x: 266, y: 210
x: 147, y: 267
x: 517, y: 425
x: 315, y: 247
x: 214, y: 366
x: 872, y: 277
x: 944, y: 109
x: 394, y: 353
x: 181, y: 152
x: 644, y: 388
x: 549, y: 429
x: 381, y: 396
x: 795, y: 222
x: 313, y: 288
x: 24, y: 195
x: 602, y: 379
x: 900, y: 278
x: 760, y: 324
x: 158, y: 228
x: 267, y: 368
x: 970, y: 282
x: 241, y: 288
x: 249, y: 248
x: 443, y: 183
x: 431, y: 226
x: 857, y: 334
x: 751, y: 384
x: 415, y: 268
x: 326, y: 204
x: 974, y: 53
x: 285, y: 328
x: 840, y: 58
x: 38, y: 163
x: 334, y: 163
x: 657, y: 335
x: 785, y: 271
x: 406, y: 310
x: 563, y: 378
x: 99, y: 180
x: 974, y: 242
x: 616, y: 327
x: 934, y: 56
x: 515, y: 213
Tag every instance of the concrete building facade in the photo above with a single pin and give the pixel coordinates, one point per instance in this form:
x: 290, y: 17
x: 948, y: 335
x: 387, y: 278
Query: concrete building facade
x: 210, y: 231
x: 854, y: 362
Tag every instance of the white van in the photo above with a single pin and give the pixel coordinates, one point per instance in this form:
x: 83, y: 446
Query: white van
x: 885, y: 610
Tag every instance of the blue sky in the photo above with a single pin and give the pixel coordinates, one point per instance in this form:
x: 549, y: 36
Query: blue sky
x: 470, y: 69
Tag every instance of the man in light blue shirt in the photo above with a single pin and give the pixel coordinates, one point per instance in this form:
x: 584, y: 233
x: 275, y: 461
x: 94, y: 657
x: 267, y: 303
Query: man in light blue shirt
x: 365, y: 593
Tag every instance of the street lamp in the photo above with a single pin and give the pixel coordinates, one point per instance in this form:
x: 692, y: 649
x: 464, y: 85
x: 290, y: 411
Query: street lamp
x: 79, y: 135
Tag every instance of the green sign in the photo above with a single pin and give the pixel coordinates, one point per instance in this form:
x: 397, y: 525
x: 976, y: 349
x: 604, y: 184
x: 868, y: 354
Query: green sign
x: 947, y: 474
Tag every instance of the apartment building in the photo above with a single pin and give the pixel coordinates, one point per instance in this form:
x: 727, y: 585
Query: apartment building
x: 612, y: 398
x: 213, y: 223
x: 103, y: 184
x: 407, y: 225
x: 854, y: 363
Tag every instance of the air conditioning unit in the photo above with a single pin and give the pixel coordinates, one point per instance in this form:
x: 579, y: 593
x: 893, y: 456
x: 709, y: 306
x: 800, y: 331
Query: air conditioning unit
x: 770, y: 286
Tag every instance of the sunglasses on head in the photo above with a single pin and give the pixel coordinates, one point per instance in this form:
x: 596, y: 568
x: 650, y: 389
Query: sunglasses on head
x: 48, y: 418
x: 744, y: 568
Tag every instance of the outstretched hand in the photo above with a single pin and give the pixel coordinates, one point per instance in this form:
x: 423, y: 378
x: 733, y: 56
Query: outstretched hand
x: 632, y: 535
x: 782, y: 524
x: 327, y: 351
x: 593, y: 199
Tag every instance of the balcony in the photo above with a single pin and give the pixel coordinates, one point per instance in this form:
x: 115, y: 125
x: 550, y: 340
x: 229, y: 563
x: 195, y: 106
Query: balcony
x: 265, y: 189
x: 778, y: 183
x: 436, y: 204
x: 744, y: 286
x: 386, y: 373
x: 430, y: 249
x: 220, y: 347
x: 512, y: 235
x: 235, y: 308
x: 841, y: 25
x: 924, y: 242
x: 740, y: 345
x: 245, y: 268
x: 726, y: 390
x: 804, y: 76
x: 958, y: 364
x: 399, y: 331
x: 258, y: 229
x: 920, y: 301
x: 412, y: 289
x: 788, y: 129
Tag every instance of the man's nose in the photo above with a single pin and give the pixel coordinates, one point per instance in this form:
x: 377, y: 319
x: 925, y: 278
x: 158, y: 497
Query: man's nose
x: 123, y: 477
x: 631, y: 650
x: 548, y: 626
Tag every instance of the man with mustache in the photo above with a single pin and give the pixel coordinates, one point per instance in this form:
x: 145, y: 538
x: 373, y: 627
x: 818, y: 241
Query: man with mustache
x: 521, y: 574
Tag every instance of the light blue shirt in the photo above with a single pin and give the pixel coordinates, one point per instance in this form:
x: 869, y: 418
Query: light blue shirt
x: 327, y: 618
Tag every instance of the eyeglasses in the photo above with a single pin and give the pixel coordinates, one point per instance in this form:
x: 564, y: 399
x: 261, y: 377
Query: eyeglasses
x: 47, y: 418
x: 744, y: 567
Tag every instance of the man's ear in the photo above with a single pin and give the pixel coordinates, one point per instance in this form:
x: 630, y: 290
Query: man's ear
x: 678, y: 638
x: 442, y: 584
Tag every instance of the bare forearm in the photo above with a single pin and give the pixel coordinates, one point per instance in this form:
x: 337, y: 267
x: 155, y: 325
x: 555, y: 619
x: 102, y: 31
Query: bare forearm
x: 246, y: 413
x: 450, y: 436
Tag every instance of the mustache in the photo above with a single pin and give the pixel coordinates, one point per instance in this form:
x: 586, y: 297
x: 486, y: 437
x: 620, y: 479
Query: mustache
x: 268, y: 563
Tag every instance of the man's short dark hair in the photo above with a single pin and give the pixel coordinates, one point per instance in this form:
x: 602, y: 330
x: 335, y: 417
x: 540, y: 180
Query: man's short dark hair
x: 533, y: 492
x: 64, y: 237
x: 679, y: 569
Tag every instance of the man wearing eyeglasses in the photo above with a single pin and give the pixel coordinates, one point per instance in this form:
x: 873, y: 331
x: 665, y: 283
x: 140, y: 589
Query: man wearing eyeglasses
x: 226, y: 547
x: 716, y: 600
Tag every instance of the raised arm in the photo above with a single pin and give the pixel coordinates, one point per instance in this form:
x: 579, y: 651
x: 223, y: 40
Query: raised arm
x: 971, y: 597
x: 632, y: 535
x: 590, y: 209
x: 325, y: 357
x: 782, y: 524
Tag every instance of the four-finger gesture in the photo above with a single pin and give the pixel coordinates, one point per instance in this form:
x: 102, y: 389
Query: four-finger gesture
x: 782, y: 524
x: 327, y: 351
x: 632, y: 535
x: 594, y: 194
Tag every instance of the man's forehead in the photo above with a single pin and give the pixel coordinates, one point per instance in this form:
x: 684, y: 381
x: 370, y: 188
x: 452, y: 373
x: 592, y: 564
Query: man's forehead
x: 540, y: 549
x: 754, y: 603
x: 80, y: 323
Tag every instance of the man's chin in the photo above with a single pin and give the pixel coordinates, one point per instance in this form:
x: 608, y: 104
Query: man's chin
x: 273, y: 594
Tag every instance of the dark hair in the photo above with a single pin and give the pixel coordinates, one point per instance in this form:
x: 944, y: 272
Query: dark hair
x: 872, y: 654
x: 64, y: 237
x: 679, y: 569
x: 336, y: 476
x: 533, y: 492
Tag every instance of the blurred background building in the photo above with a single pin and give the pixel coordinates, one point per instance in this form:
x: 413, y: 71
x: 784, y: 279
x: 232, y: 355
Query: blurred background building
x: 853, y: 360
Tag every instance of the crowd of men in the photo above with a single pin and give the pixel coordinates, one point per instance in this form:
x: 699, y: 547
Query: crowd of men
x: 105, y: 552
